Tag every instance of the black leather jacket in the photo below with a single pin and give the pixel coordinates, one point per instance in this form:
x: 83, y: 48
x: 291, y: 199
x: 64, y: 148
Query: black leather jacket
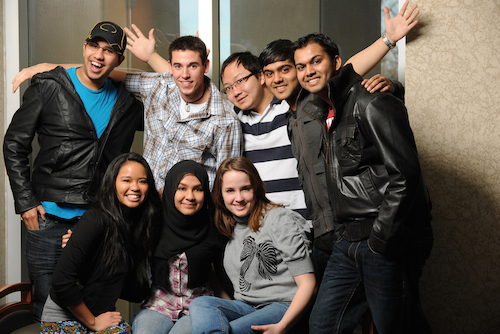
x: 366, y: 166
x: 72, y: 160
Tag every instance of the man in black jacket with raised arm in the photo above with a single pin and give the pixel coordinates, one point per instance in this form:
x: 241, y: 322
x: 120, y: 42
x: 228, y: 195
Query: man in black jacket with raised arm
x: 367, y: 153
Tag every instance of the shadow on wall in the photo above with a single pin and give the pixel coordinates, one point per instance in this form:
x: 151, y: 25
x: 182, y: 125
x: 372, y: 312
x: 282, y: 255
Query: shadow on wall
x: 460, y: 287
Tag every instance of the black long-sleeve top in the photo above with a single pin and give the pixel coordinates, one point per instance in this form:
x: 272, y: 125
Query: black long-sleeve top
x: 80, y: 273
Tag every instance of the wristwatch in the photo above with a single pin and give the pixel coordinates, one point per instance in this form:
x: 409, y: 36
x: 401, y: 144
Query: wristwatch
x: 387, y: 42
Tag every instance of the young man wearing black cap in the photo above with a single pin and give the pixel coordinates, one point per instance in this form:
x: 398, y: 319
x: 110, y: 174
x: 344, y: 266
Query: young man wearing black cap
x: 83, y: 121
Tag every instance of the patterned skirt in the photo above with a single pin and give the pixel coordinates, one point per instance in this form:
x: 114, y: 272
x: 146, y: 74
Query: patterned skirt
x: 74, y: 327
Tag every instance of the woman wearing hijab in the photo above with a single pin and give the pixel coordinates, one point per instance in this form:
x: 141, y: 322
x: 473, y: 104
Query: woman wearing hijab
x: 182, y: 262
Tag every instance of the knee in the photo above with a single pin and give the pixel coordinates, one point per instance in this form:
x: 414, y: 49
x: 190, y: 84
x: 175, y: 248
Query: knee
x: 148, y: 321
x: 201, y: 302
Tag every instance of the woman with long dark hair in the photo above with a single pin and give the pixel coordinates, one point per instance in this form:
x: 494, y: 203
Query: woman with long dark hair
x: 267, y: 259
x: 108, y: 254
x: 188, y: 246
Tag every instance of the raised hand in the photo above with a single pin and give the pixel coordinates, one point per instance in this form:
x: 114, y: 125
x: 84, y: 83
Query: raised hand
x: 140, y: 46
x: 400, y: 25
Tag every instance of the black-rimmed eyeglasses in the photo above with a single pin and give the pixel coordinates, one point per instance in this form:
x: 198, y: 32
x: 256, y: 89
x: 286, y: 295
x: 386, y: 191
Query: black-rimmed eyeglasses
x: 236, y: 84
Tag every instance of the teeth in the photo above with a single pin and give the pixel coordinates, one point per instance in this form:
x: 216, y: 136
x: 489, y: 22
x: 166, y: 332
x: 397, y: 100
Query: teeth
x: 135, y: 196
x: 96, y: 64
x: 313, y: 81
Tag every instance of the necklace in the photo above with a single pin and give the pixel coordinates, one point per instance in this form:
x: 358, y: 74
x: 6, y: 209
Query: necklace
x: 187, y: 103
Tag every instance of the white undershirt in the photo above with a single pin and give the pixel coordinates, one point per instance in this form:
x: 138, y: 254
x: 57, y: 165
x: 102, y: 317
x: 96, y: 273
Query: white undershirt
x: 193, y: 108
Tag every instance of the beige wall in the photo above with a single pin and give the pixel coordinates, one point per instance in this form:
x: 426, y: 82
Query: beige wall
x: 452, y: 94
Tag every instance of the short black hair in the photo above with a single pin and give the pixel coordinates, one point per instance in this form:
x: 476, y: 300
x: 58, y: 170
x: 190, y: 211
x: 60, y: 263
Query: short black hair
x: 246, y: 59
x: 330, y: 47
x: 192, y: 43
x: 278, y: 50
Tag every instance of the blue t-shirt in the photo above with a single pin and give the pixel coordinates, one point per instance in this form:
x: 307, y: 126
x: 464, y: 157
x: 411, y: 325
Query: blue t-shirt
x: 98, y: 104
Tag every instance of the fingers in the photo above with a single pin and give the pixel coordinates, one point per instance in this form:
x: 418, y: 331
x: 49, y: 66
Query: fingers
x: 30, y: 219
x: 31, y: 224
x: 106, y: 320
x: 137, y: 31
x: 19, y: 79
x: 387, y: 14
x: 403, y: 9
x: 41, y: 211
x: 258, y: 328
x: 410, y: 14
x: 370, y: 83
x: 66, y: 237
x: 378, y: 83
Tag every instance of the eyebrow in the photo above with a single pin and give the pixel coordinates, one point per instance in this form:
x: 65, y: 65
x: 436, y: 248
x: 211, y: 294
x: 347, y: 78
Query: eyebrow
x: 129, y: 177
x: 184, y: 184
x: 191, y: 63
x: 279, y: 68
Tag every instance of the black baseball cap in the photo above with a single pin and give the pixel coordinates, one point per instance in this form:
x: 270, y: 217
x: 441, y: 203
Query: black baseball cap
x: 111, y: 33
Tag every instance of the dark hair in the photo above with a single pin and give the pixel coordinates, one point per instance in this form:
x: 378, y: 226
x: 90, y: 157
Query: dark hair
x: 278, y: 50
x: 330, y: 47
x: 246, y: 59
x: 130, y: 237
x: 188, y: 43
x: 223, y: 217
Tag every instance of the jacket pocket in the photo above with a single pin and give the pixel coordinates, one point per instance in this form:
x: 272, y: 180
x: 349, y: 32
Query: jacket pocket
x: 347, y: 146
x: 59, y: 160
x: 366, y: 180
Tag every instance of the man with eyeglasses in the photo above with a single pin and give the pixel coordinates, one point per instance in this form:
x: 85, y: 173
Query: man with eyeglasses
x: 83, y: 121
x: 263, y: 123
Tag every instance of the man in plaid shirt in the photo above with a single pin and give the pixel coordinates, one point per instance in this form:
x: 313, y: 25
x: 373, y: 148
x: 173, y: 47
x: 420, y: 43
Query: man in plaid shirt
x: 186, y: 116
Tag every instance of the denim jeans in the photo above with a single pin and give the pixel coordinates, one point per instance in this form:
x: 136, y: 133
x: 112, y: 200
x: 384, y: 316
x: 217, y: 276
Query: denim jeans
x: 357, y: 279
x: 216, y: 315
x: 152, y: 322
x: 43, y: 248
x: 320, y: 259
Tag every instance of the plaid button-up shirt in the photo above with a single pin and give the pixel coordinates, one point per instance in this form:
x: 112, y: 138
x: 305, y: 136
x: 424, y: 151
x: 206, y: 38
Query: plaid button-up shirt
x: 173, y: 303
x: 208, y: 137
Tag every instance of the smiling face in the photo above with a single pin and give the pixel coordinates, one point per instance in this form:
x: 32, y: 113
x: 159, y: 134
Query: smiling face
x: 249, y: 94
x: 188, y: 71
x: 97, y: 63
x: 314, y: 67
x: 237, y: 193
x: 189, y: 196
x: 132, y: 184
x: 281, y: 79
